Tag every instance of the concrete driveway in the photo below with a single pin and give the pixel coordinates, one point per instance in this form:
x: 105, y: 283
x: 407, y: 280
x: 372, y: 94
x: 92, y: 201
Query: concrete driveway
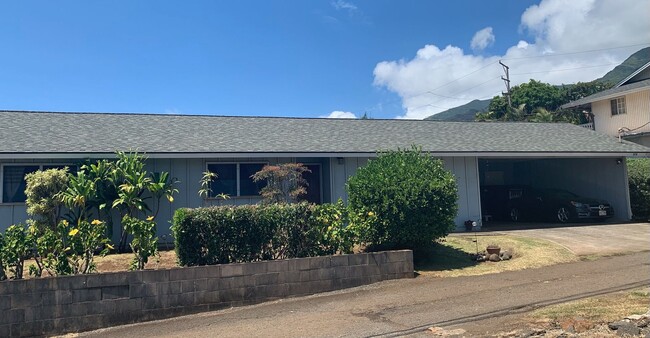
x: 597, y: 239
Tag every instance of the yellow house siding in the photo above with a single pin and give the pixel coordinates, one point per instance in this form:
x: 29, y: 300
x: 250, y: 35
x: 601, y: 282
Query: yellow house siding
x: 638, y: 113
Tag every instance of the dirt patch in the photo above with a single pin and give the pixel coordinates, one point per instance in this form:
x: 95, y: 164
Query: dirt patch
x: 120, y: 262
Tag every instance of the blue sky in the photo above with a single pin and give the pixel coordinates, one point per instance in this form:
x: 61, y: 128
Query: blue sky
x: 282, y: 58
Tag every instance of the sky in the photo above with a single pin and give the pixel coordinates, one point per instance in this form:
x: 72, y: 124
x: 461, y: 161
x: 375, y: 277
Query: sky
x: 336, y: 58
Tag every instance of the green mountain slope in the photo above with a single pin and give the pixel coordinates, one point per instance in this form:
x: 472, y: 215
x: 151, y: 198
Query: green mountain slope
x: 462, y: 113
x: 628, y: 66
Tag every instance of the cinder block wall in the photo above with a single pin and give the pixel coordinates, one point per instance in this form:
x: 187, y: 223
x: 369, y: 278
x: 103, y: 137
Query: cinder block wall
x: 65, y: 304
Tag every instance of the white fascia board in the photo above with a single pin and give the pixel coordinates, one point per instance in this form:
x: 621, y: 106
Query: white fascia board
x: 604, y: 98
x: 331, y: 155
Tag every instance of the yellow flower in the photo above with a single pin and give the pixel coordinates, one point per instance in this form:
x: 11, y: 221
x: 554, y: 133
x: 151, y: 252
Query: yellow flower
x: 370, y: 213
x: 65, y: 223
x: 150, y: 218
x: 96, y: 222
x: 73, y: 232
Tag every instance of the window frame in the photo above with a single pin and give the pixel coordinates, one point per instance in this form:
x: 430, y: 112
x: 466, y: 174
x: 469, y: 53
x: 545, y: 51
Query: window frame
x: 40, y: 166
x: 237, y: 179
x: 618, y: 102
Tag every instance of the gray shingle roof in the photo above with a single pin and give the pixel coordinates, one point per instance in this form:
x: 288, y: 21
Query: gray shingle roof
x: 610, y: 93
x: 85, y: 133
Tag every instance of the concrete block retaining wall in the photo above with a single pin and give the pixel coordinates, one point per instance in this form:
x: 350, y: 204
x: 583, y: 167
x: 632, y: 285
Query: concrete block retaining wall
x: 64, y: 304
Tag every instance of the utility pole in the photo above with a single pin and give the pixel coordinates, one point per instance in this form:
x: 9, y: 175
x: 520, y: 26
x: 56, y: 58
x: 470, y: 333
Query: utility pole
x: 506, y: 79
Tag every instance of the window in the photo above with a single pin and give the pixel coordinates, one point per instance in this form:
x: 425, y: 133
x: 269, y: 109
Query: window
x: 13, y: 180
x: 618, y: 106
x: 234, y: 179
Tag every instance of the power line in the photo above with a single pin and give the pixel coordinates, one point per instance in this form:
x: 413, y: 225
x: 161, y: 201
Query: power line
x: 576, y: 52
x: 565, y: 69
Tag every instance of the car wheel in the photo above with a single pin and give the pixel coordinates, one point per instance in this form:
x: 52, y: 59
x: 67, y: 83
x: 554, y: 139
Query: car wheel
x: 563, y: 214
x: 515, y: 215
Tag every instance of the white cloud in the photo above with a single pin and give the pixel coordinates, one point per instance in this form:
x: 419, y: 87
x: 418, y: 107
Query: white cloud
x: 337, y: 114
x: 344, y: 5
x: 438, y: 78
x: 482, y: 39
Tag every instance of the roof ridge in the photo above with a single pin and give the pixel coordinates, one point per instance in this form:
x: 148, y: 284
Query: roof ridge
x: 263, y: 117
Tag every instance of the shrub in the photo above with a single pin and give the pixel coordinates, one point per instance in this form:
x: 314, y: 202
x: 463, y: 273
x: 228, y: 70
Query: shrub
x: 3, y: 274
x: 41, y: 191
x: 17, y: 246
x: 228, y: 234
x: 639, y: 183
x: 144, y: 243
x: 412, y: 198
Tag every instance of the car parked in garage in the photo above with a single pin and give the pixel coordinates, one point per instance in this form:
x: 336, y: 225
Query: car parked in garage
x: 530, y: 204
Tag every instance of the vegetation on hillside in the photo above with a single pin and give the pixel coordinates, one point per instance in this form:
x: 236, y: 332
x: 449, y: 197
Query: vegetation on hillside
x: 628, y: 66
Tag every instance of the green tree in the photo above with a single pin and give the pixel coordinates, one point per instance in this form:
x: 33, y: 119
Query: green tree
x: 535, y: 94
x: 410, y: 196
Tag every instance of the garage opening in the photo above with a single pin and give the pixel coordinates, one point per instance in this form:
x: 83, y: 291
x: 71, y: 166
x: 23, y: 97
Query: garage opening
x: 553, y: 190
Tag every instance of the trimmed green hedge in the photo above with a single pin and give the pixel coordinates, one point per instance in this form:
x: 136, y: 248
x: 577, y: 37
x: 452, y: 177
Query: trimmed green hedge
x: 229, y: 234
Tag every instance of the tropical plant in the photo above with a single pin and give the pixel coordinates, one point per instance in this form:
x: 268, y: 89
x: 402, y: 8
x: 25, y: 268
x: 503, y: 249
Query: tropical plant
x: 161, y: 185
x: 17, y: 246
x: 105, y: 193
x: 284, y: 182
x: 42, y: 188
x: 3, y: 274
x: 51, y: 250
x: 542, y: 115
x: 83, y: 241
x: 411, y: 197
x: 205, y: 190
x: 77, y: 194
x: 144, y: 243
x: 133, y: 182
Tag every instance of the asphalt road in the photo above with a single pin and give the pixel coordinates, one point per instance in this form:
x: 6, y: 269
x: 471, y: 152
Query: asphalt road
x: 405, y: 307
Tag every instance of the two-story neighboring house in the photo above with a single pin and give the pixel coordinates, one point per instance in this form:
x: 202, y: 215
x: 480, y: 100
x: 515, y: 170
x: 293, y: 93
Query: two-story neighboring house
x: 623, y: 111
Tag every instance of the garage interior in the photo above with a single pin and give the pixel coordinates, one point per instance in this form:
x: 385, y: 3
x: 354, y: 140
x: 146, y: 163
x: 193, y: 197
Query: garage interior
x: 599, y: 178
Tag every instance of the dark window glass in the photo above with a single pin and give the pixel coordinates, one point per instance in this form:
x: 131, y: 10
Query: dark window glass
x: 13, y: 182
x: 246, y: 185
x: 226, y: 182
x: 313, y: 184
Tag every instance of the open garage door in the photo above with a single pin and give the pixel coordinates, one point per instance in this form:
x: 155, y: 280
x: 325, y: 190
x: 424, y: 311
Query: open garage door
x: 553, y: 189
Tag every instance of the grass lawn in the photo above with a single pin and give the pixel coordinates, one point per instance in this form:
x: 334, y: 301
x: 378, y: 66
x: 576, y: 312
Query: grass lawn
x: 605, y: 308
x: 450, y: 256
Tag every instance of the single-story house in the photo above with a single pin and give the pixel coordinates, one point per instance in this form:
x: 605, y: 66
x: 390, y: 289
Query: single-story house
x: 487, y: 153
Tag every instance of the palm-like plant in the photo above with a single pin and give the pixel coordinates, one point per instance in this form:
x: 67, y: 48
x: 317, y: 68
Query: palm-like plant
x: 542, y: 115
